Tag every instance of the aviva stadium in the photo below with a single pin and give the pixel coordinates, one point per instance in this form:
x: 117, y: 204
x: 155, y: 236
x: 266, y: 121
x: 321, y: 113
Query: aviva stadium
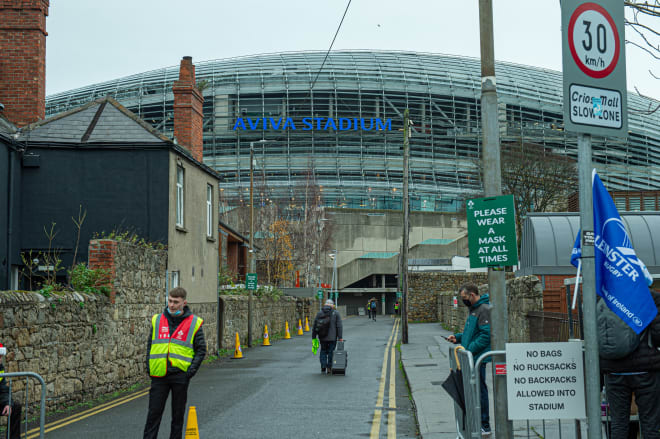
x: 342, y: 127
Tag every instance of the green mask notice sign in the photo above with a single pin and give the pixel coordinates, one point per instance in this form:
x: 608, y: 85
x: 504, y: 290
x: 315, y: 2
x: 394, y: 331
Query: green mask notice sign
x: 492, y: 232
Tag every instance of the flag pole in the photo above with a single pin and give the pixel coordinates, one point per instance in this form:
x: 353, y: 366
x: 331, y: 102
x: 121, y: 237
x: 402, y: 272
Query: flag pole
x: 577, y: 283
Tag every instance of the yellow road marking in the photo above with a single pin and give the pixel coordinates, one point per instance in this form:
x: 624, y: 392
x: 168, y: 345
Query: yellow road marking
x: 85, y: 414
x: 391, y: 416
x: 375, y: 425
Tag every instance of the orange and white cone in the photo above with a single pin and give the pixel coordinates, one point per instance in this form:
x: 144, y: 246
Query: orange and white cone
x: 266, y: 338
x: 192, y: 429
x: 238, y: 353
x: 306, y: 324
x: 300, y: 331
x: 287, y: 335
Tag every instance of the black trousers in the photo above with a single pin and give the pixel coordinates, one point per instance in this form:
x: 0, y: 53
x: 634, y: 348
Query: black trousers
x: 160, y: 389
x: 619, y: 389
x: 14, y: 431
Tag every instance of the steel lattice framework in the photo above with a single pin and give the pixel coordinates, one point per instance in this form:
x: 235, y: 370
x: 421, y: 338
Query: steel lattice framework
x: 364, y: 168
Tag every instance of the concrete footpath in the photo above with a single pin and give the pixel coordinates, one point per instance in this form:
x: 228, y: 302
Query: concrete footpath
x: 426, y: 363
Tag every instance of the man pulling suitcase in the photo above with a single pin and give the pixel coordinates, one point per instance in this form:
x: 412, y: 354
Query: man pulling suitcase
x: 328, y: 327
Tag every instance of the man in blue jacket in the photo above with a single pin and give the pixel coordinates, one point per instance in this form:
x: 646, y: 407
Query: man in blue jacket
x: 476, y: 339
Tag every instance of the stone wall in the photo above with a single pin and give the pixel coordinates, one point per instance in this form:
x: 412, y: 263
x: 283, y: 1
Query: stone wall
x: 523, y: 294
x: 266, y: 311
x: 424, y: 288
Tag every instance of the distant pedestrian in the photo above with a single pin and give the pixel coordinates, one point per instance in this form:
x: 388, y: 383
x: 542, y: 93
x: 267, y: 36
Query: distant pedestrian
x: 368, y: 308
x: 396, y: 307
x: 13, y: 411
x: 476, y: 339
x: 374, y: 307
x: 638, y: 373
x: 175, y: 351
x: 328, y: 328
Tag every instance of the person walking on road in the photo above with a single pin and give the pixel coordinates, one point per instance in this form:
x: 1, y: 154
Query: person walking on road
x: 13, y: 410
x: 368, y: 308
x: 396, y: 307
x: 476, y: 339
x: 328, y: 327
x: 373, y: 307
x: 175, y: 351
x: 638, y: 373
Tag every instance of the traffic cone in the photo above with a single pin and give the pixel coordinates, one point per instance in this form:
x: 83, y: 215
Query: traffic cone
x: 238, y: 353
x: 192, y: 430
x: 287, y: 335
x: 306, y: 324
x: 300, y: 331
x: 266, y: 339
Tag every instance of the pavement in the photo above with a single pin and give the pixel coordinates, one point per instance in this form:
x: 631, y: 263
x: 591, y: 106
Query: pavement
x: 425, y: 361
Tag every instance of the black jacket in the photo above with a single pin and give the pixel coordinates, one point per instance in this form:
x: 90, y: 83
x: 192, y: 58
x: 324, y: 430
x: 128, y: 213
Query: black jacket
x: 336, y: 328
x: 199, y: 343
x: 4, y: 391
x: 645, y: 358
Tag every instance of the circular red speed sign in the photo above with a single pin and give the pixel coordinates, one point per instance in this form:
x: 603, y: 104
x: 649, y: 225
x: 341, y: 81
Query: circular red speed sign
x: 593, y: 40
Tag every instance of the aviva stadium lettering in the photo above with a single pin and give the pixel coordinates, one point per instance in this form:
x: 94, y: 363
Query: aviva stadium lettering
x: 310, y: 123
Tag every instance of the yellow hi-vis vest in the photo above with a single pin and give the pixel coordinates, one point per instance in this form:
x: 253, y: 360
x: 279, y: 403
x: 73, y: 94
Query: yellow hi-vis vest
x: 178, y: 348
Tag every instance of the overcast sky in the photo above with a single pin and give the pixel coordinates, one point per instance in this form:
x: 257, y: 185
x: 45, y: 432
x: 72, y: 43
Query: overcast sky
x: 93, y: 41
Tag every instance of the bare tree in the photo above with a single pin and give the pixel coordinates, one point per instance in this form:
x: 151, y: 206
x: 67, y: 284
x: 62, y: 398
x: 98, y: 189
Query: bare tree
x: 643, y: 25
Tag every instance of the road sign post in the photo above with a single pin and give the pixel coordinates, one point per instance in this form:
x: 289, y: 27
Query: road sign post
x: 595, y: 102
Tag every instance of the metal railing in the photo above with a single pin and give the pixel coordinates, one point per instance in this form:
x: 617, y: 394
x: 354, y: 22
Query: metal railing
x: 42, y: 409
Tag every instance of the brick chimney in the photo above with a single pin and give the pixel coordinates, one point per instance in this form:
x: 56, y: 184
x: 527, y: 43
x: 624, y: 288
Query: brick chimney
x: 23, y: 59
x: 188, y: 116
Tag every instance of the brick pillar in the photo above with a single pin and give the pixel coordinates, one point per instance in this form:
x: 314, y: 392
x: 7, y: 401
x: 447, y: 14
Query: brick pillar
x: 188, y: 116
x: 23, y: 59
x: 102, y: 254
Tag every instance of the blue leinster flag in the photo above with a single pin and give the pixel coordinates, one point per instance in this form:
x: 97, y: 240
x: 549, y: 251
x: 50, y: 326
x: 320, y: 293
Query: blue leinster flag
x: 621, y: 278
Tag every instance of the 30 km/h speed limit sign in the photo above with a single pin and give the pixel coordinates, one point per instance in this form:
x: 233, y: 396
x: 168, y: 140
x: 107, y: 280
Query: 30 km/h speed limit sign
x: 594, y: 40
x: 595, y: 100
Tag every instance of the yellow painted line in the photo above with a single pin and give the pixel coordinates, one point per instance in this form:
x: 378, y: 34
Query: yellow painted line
x: 34, y: 433
x: 375, y: 425
x: 391, y: 416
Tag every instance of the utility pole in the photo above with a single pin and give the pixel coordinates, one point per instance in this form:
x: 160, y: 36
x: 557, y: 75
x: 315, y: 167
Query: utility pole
x: 252, y: 262
x: 492, y: 180
x: 318, y: 262
x: 404, y: 254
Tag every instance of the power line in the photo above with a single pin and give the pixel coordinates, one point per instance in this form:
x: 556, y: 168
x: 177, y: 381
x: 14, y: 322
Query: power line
x: 330, y: 48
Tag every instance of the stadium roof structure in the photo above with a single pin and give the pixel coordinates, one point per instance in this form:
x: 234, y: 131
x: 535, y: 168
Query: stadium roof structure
x: 362, y: 168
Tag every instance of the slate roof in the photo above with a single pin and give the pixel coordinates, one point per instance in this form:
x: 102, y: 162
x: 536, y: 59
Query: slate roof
x: 548, y: 239
x: 101, y: 121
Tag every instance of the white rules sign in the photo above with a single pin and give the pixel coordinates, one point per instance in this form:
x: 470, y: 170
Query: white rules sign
x: 545, y: 381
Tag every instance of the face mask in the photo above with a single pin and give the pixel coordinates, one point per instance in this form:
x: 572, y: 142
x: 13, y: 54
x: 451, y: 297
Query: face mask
x: 173, y: 313
x: 467, y: 303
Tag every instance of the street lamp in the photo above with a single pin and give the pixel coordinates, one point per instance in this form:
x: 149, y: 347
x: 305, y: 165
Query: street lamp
x: 252, y: 264
x: 333, y: 285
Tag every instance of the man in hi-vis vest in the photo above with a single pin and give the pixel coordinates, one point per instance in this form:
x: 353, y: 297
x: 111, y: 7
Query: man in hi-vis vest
x: 175, y: 351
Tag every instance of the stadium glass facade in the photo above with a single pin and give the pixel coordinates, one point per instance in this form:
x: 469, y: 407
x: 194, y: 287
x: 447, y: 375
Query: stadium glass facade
x: 363, y: 168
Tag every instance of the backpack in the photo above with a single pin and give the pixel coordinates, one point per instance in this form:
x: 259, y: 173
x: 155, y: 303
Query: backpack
x: 615, y: 338
x: 322, y: 324
x: 373, y: 305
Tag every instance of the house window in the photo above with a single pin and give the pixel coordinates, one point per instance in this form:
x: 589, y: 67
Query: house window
x: 179, y: 196
x: 209, y: 211
x: 175, y: 279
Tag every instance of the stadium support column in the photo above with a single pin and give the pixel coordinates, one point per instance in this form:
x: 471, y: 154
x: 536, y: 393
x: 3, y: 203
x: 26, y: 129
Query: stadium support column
x: 492, y: 181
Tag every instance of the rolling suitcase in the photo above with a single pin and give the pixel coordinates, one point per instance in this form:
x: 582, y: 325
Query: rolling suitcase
x: 339, y: 359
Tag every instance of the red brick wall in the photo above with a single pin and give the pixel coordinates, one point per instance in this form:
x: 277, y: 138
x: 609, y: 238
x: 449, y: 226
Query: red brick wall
x: 102, y: 254
x: 23, y: 59
x: 188, y: 116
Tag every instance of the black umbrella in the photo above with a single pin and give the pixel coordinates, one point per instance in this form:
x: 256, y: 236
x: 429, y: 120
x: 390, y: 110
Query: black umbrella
x: 454, y: 384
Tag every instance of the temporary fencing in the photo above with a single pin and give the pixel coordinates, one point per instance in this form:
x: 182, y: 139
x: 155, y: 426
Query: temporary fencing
x: 468, y: 420
x: 42, y: 409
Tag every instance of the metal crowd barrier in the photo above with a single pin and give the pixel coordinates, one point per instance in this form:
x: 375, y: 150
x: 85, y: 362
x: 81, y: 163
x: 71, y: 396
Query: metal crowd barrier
x: 42, y: 414
x: 468, y: 422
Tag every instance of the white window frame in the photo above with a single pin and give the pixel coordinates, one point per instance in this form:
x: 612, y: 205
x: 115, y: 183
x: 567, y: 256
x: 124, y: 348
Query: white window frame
x: 180, y: 176
x: 176, y: 281
x: 209, y: 211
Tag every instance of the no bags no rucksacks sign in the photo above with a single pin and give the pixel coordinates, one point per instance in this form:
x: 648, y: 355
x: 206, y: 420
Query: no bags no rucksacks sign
x: 492, y: 231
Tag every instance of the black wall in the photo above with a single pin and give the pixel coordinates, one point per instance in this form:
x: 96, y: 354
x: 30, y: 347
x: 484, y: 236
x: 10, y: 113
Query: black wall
x: 9, y: 212
x: 123, y: 190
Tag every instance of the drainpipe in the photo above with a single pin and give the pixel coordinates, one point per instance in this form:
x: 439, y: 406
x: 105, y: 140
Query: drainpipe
x: 10, y: 215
